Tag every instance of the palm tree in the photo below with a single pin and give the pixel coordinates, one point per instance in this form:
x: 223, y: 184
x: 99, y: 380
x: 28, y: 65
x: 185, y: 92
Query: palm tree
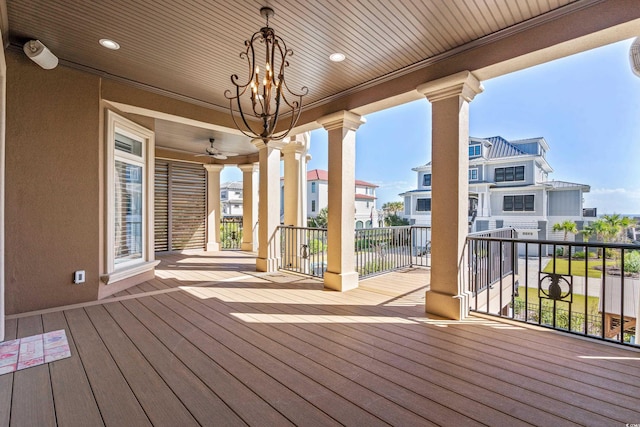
x: 568, y: 227
x: 393, y: 207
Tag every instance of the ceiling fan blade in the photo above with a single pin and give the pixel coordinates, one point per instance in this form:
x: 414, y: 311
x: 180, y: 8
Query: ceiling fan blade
x: 219, y: 156
x: 229, y: 153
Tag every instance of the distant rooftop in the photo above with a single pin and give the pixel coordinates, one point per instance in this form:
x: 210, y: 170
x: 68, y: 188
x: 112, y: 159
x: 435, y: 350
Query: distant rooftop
x: 323, y: 175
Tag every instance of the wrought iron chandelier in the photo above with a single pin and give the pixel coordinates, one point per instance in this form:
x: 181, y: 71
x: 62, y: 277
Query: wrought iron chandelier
x: 266, y: 89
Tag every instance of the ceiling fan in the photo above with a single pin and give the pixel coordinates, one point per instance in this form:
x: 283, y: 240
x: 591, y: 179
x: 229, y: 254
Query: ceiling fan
x: 212, y: 151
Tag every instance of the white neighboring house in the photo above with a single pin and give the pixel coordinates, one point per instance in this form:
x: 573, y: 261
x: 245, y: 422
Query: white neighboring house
x: 508, y: 187
x: 231, y: 198
x: 366, y: 213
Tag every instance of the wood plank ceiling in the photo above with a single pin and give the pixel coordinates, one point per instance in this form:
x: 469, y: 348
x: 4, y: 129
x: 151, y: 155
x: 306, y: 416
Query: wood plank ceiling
x: 189, y: 49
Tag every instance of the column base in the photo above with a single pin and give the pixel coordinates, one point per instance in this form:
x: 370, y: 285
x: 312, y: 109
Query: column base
x: 248, y: 247
x: 213, y: 247
x: 454, y: 307
x: 341, y: 282
x: 267, y: 264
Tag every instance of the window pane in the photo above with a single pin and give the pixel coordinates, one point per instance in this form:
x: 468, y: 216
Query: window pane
x: 128, y: 145
x: 499, y: 174
x: 518, y: 203
x: 529, y: 204
x: 128, y: 212
x: 313, y: 206
x: 508, y: 174
x: 424, y: 205
x: 508, y: 203
x: 520, y: 173
x: 313, y: 187
x: 426, y: 181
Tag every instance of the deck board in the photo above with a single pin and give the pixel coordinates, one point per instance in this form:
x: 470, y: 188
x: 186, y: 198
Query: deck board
x: 210, y: 341
x: 239, y: 395
x: 6, y: 380
x: 32, y: 402
x: 158, y: 401
x: 115, y: 399
x: 201, y: 400
x: 74, y: 401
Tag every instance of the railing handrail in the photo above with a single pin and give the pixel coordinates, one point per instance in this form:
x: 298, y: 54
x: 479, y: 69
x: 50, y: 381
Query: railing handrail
x: 607, y: 245
x: 484, y: 232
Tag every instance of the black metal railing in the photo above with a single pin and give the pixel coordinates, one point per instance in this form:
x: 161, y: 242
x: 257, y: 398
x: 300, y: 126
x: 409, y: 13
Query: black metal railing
x: 380, y: 250
x: 377, y: 250
x: 590, y: 289
x: 303, y: 250
x: 230, y: 232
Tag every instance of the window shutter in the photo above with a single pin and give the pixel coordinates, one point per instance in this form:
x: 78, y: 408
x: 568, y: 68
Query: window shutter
x: 161, y: 206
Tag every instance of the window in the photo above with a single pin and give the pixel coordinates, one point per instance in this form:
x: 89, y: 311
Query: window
x: 313, y: 205
x: 129, y: 232
x: 518, y: 203
x: 426, y: 180
x: 473, y: 174
x: 223, y: 194
x: 424, y: 205
x: 475, y: 150
x: 367, y: 203
x: 512, y: 173
x: 313, y: 187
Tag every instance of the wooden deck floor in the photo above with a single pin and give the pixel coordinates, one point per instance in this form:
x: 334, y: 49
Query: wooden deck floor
x: 259, y: 349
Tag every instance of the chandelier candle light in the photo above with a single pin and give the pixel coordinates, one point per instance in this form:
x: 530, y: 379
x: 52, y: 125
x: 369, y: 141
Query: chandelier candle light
x: 265, y: 90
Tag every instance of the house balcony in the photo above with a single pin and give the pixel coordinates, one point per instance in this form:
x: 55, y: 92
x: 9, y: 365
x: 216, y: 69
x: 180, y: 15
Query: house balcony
x: 212, y: 341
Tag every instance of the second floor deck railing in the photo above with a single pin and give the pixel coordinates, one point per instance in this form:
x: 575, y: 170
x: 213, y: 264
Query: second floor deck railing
x: 590, y: 289
x: 377, y: 250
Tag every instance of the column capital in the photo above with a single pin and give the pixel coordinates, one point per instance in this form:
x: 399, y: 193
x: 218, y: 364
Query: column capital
x: 463, y: 84
x: 213, y: 167
x: 249, y: 167
x: 294, y: 147
x: 341, y: 119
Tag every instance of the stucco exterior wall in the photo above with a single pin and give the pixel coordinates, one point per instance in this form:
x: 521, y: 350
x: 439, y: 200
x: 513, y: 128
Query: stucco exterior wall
x: 53, y: 189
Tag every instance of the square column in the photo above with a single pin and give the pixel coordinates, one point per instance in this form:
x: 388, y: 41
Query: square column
x: 249, y: 207
x: 213, y: 206
x: 295, y: 197
x: 450, y: 97
x: 295, y: 180
x: 268, y: 205
x: 341, y: 127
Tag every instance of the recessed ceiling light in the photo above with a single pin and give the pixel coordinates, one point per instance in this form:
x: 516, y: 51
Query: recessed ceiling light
x: 337, y: 57
x: 109, y: 44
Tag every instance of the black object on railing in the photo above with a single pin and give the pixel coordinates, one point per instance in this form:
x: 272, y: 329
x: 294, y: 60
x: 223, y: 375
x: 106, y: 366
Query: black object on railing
x: 231, y: 232
x: 303, y: 250
x: 590, y: 289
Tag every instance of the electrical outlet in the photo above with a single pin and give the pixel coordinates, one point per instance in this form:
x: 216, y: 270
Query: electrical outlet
x: 78, y: 277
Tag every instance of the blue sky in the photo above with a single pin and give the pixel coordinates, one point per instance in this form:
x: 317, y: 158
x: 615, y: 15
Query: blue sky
x: 586, y: 106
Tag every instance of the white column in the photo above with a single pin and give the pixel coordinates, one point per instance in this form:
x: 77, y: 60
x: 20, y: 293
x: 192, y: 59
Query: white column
x: 249, y: 206
x: 341, y: 127
x: 450, y: 97
x: 268, y: 205
x: 213, y: 206
x: 295, y: 180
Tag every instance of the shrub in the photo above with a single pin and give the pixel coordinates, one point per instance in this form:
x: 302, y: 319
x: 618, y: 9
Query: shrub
x: 578, y: 255
x: 559, y: 251
x: 632, y: 262
x: 316, y: 246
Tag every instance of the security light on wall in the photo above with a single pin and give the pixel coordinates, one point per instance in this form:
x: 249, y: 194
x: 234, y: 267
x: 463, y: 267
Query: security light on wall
x: 38, y: 53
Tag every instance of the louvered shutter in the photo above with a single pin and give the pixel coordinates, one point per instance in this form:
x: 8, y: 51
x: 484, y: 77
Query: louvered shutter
x: 180, y: 203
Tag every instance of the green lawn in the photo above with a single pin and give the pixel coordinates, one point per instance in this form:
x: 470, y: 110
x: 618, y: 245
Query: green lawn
x: 577, y: 306
x: 577, y: 267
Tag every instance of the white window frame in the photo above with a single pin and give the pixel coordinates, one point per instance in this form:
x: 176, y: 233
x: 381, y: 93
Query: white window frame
x: 470, y: 174
x: 118, y: 124
x: 475, y: 147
